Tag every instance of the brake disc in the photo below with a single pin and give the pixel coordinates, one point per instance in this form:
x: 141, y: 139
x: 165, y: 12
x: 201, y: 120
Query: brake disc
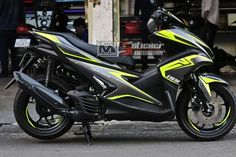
x: 212, y: 119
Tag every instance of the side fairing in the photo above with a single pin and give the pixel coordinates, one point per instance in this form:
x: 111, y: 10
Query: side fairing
x: 63, y: 45
x: 124, y: 89
x: 185, y: 38
x: 98, y: 68
x: 68, y: 50
x: 176, y: 70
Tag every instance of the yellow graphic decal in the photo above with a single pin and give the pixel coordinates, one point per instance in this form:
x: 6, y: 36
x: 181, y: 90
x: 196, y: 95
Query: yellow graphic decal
x: 206, y: 85
x: 49, y: 37
x: 180, y: 64
x: 120, y: 75
x: 191, y: 123
x: 27, y: 116
x: 128, y: 95
x: 76, y: 56
x: 56, y: 40
x: 211, y: 80
x: 225, y: 119
x: 207, y: 80
x: 172, y: 36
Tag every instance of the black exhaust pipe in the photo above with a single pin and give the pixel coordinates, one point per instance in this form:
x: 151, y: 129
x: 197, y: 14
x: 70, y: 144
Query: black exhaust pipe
x: 42, y: 94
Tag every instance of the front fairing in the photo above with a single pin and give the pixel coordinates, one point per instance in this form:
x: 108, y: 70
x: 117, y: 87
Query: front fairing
x: 185, y: 38
x: 165, y: 19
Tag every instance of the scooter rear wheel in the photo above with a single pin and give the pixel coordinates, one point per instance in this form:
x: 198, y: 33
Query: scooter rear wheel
x: 38, y: 121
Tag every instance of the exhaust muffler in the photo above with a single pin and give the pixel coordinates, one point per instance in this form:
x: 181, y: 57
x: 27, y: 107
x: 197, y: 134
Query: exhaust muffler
x: 49, y: 99
x: 42, y: 94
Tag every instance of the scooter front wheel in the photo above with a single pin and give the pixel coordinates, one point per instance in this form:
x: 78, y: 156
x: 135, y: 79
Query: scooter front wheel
x: 211, y: 124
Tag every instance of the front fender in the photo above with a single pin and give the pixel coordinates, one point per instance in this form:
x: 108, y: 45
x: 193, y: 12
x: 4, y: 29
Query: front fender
x: 204, y: 81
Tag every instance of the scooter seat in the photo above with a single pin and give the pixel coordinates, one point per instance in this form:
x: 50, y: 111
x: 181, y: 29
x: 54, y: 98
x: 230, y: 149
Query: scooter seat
x: 93, y: 49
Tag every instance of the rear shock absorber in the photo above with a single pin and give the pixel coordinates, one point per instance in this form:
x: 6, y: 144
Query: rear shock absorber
x: 48, y: 72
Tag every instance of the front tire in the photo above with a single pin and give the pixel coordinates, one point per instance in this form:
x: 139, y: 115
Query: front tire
x: 198, y: 124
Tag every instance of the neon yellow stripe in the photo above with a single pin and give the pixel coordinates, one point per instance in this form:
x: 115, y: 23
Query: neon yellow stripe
x: 59, y: 121
x: 56, y: 40
x: 119, y: 75
x: 127, y: 95
x: 225, y: 119
x: 211, y: 80
x: 27, y: 116
x: 180, y: 64
x: 76, y: 56
x: 193, y: 125
x: 171, y: 35
x: 206, y: 81
x: 206, y: 85
x: 50, y: 37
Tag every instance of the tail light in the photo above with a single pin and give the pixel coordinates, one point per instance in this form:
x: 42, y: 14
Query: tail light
x: 23, y: 29
x: 132, y: 27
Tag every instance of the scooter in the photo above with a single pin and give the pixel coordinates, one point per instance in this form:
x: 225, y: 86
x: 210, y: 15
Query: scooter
x: 101, y: 88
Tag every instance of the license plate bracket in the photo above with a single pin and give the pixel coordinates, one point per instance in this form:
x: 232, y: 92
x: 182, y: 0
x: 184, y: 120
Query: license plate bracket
x: 20, y: 43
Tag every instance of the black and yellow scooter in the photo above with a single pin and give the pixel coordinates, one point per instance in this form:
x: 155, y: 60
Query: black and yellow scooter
x: 98, y: 88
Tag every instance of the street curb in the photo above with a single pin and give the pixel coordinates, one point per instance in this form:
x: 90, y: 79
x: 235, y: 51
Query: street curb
x: 116, y: 128
x: 102, y: 126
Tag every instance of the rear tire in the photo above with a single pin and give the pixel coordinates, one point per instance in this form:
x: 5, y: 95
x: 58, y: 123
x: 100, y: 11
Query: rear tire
x: 218, y: 130
x: 27, y: 124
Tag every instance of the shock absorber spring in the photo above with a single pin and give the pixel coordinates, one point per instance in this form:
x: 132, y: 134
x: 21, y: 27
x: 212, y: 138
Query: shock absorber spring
x: 48, y: 72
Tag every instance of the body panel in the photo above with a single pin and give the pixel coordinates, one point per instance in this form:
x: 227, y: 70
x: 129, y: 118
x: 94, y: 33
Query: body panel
x: 127, y: 95
x: 176, y: 70
x: 183, y: 38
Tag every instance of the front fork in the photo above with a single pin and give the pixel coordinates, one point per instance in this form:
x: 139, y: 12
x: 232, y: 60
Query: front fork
x: 201, y: 88
x: 204, y: 89
x: 200, y: 97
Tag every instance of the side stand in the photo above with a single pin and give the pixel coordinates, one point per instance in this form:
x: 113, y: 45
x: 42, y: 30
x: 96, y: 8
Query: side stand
x: 86, y: 128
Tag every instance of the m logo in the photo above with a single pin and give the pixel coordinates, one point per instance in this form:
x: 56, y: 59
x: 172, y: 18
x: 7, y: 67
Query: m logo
x: 107, y: 49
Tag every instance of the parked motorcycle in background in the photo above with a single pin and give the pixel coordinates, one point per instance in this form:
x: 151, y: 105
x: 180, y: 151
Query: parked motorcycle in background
x: 39, y: 17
